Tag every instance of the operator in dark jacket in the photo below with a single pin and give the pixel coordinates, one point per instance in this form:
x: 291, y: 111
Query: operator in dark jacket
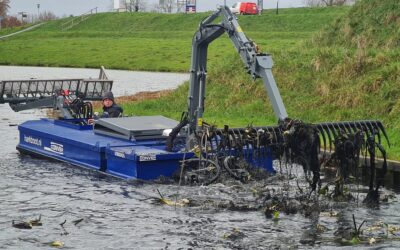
x: 110, y: 108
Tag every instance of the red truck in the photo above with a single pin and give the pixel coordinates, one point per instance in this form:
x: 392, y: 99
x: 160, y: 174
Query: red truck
x: 245, y: 8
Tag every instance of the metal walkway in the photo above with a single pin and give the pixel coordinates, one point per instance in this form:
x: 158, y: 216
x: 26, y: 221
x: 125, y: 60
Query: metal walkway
x: 22, y: 94
x: 77, y: 20
x: 21, y: 31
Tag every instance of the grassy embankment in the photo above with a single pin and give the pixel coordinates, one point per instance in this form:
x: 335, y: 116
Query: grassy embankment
x: 327, y: 70
x: 155, y: 42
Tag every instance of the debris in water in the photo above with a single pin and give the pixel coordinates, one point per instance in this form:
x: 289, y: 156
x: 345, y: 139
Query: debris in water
x: 76, y: 222
x: 56, y: 243
x: 36, y: 222
x: 22, y: 224
x: 371, y: 241
x: 27, y: 224
x: 62, y: 223
x: 65, y: 232
x: 177, y: 203
x: 236, y: 234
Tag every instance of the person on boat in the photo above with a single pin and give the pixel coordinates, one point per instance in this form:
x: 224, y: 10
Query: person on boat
x: 110, y: 108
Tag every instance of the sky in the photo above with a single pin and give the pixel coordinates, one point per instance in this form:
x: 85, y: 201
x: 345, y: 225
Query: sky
x: 76, y: 7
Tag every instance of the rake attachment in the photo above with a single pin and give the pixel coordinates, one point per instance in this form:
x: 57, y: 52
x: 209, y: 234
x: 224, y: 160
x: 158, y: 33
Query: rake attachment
x: 333, y: 130
x: 298, y: 142
x: 302, y: 145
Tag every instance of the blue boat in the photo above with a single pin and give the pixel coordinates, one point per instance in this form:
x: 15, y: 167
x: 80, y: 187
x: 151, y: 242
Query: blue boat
x: 127, y: 147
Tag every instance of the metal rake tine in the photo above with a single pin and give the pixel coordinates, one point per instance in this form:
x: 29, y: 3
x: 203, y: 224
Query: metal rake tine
x: 348, y: 127
x: 375, y: 130
x: 247, y: 147
x: 362, y: 127
x: 266, y: 135
x: 321, y: 132
x: 338, y: 129
x: 332, y: 129
x: 342, y: 128
x: 382, y: 128
x: 378, y: 130
x: 272, y: 132
x: 275, y: 135
x: 359, y: 126
x: 366, y: 129
x: 278, y: 134
x: 351, y: 127
x: 255, y: 146
x: 327, y: 130
x: 238, y: 140
x: 267, y: 130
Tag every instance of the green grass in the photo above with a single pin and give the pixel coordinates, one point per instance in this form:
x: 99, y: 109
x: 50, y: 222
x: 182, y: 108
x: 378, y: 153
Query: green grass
x: 154, y: 42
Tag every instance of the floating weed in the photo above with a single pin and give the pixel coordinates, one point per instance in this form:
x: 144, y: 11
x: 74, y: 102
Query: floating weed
x: 371, y: 241
x: 276, y: 215
x: 235, y: 234
x: 56, y: 243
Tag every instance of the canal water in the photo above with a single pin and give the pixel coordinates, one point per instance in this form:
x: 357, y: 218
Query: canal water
x: 85, y: 210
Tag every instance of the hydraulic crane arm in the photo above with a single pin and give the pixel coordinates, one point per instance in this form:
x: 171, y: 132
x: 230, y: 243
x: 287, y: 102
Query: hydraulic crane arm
x: 258, y: 65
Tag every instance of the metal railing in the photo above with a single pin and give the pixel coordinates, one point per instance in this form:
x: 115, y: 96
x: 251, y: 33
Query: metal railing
x: 20, y: 91
x: 103, y: 75
x: 34, y: 93
x: 78, y: 19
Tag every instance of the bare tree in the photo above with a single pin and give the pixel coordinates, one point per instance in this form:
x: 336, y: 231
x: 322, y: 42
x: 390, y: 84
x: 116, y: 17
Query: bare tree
x: 47, y: 15
x: 11, y: 21
x: 155, y: 8
x: 313, y: 3
x: 334, y: 2
x: 319, y: 3
x: 167, y: 5
x: 142, y: 5
x: 134, y: 5
x: 4, y: 6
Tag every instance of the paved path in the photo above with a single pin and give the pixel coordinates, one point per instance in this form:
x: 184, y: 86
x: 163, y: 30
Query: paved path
x: 18, y: 32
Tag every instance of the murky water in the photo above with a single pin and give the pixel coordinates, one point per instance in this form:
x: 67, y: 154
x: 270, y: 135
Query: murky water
x: 121, y: 215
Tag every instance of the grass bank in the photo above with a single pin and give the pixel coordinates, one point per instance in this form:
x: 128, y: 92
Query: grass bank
x: 154, y: 42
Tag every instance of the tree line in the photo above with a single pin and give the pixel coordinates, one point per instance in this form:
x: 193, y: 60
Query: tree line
x: 23, y: 17
x: 4, y: 6
x: 321, y: 3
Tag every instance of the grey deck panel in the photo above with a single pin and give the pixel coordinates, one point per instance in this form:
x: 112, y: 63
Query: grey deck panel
x: 134, y: 127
